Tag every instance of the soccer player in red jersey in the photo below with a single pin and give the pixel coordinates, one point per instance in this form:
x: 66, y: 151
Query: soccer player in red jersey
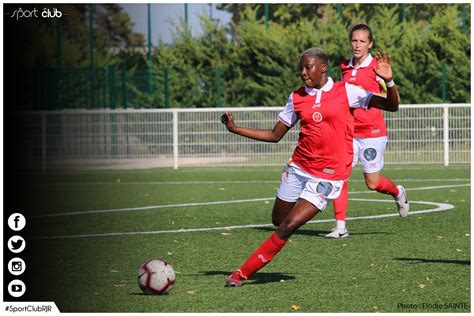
x: 370, y: 131
x: 322, y: 159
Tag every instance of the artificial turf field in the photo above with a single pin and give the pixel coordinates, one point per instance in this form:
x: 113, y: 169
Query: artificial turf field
x: 102, y: 225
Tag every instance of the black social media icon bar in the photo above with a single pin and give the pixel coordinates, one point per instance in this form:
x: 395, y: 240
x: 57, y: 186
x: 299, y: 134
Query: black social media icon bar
x: 16, y: 244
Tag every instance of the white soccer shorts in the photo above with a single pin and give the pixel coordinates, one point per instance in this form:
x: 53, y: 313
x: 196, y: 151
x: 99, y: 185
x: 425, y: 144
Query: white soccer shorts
x: 297, y: 183
x: 370, y: 152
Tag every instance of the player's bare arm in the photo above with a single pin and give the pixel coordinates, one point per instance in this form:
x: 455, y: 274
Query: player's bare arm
x: 384, y: 71
x: 273, y: 136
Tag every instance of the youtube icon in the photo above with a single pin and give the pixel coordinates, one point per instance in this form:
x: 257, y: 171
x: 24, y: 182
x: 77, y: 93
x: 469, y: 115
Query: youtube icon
x: 16, y: 288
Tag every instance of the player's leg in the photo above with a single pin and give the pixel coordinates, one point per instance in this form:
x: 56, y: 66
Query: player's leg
x: 302, y: 212
x: 340, y: 204
x: 281, y: 209
x: 372, y: 159
x: 376, y: 182
x: 291, y: 185
x: 340, y: 210
x: 314, y: 197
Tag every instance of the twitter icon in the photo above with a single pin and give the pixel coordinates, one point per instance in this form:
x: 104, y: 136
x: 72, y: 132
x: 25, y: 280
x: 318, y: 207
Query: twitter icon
x: 16, y: 244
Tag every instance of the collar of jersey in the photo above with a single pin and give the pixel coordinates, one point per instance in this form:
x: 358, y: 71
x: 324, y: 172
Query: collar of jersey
x: 366, y: 62
x: 325, y: 88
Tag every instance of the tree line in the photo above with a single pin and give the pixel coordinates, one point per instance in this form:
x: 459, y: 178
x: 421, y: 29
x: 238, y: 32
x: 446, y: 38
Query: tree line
x: 254, y: 60
x: 429, y: 43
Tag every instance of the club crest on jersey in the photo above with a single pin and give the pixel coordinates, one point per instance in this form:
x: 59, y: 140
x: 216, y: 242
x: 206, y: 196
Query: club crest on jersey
x: 370, y: 154
x: 324, y: 188
x: 317, y: 117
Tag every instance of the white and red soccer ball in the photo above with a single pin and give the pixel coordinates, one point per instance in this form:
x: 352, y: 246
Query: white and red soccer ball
x: 156, y: 276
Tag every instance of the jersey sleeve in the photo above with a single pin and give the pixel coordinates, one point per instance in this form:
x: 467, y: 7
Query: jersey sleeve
x: 288, y: 116
x: 358, y: 98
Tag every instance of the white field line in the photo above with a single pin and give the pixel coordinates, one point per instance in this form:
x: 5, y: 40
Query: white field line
x: 221, y: 182
x: 440, y: 207
x: 144, y: 208
x: 271, y: 169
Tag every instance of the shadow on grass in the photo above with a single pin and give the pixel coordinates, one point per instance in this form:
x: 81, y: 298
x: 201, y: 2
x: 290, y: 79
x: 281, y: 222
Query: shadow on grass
x: 321, y: 233
x: 257, y: 278
x: 421, y: 260
x: 143, y: 294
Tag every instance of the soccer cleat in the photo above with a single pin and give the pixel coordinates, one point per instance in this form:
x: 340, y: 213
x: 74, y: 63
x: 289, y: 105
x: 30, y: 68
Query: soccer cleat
x: 234, y: 280
x: 402, y: 202
x: 337, y: 233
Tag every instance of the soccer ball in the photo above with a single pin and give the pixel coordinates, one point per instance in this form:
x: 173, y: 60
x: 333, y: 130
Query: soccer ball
x: 156, y: 276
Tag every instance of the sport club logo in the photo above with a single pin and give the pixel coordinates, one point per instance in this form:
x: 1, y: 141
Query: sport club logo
x: 47, y: 13
x: 324, y: 188
x: 317, y: 117
x: 370, y: 154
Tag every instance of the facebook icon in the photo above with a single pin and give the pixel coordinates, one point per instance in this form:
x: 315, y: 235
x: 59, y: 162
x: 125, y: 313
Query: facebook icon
x: 16, y: 221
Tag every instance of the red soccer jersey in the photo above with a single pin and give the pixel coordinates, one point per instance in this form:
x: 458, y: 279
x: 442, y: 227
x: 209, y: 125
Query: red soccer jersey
x: 326, y: 127
x: 367, y: 123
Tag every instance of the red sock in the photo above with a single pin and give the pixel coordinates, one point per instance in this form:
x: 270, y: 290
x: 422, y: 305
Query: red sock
x: 386, y: 186
x: 340, y: 204
x: 263, y: 255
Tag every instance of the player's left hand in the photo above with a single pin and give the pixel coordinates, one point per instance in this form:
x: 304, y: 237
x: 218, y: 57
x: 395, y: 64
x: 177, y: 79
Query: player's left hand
x: 228, y: 119
x: 384, y: 69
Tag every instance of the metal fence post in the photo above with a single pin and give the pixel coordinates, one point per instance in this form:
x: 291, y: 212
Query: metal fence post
x: 58, y: 65
x: 111, y: 75
x: 124, y: 88
x: 166, y: 88
x: 186, y: 14
x: 218, y: 87
x: 43, y: 141
x: 446, y: 134
x: 265, y: 10
x: 91, y: 56
x: 339, y: 10
x: 443, y: 82
x: 175, y: 139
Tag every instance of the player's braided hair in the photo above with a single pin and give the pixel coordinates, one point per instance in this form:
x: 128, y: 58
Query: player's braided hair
x: 316, y: 52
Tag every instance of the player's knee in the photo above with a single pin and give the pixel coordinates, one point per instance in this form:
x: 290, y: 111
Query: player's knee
x: 276, y: 222
x: 286, y: 229
x: 371, y: 185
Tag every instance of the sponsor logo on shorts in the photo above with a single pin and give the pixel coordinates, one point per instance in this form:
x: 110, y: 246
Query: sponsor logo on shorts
x: 370, y: 154
x: 324, y: 188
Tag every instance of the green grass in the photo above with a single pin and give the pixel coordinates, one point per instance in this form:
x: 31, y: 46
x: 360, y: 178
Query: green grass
x: 424, y: 258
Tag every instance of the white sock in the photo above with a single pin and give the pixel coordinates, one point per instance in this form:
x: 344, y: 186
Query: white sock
x: 399, y: 193
x: 341, y: 225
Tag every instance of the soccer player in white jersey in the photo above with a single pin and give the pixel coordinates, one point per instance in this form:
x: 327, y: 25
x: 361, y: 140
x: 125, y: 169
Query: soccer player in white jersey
x: 370, y: 131
x: 322, y: 160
